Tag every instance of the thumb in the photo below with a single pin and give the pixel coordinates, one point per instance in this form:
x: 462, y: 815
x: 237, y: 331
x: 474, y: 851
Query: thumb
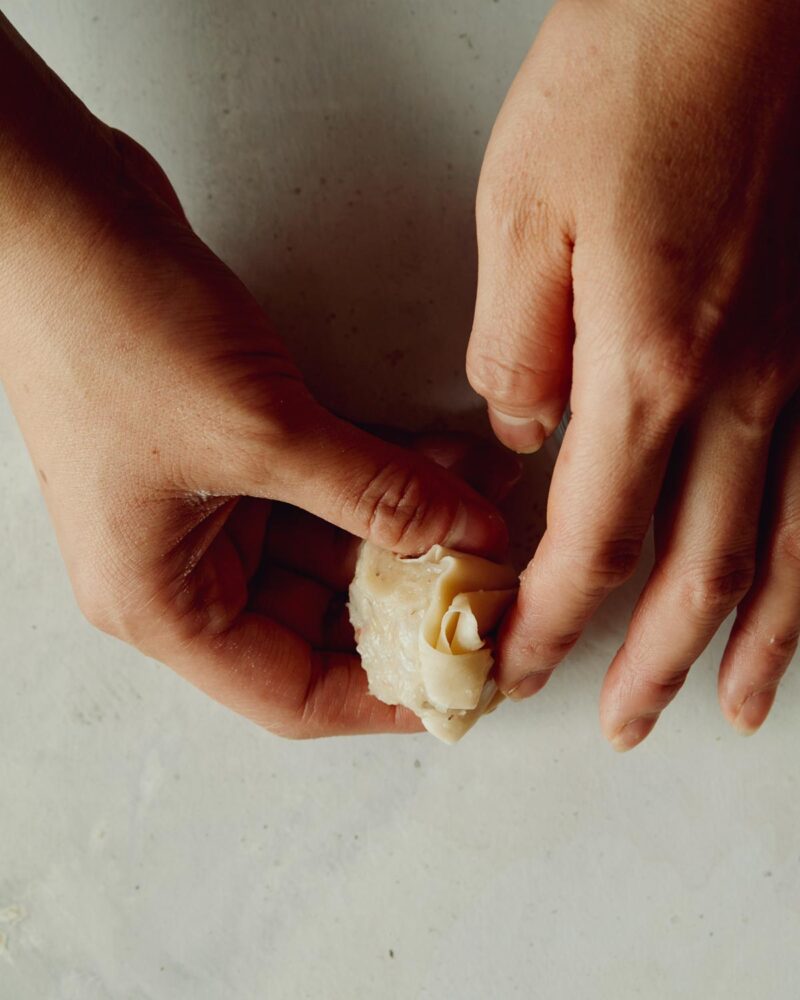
x: 519, y: 356
x: 399, y: 499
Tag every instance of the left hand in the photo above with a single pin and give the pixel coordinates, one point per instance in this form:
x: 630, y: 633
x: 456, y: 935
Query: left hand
x: 176, y: 443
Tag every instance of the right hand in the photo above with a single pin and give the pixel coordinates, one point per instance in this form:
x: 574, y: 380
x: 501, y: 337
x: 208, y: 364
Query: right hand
x: 639, y: 236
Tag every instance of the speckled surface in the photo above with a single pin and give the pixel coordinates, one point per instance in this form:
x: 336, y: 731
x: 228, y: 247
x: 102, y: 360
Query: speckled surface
x: 155, y: 847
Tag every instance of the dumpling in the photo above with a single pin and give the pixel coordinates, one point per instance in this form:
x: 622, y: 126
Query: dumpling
x: 421, y: 626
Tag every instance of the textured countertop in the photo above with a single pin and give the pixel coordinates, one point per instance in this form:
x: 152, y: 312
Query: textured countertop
x: 152, y: 844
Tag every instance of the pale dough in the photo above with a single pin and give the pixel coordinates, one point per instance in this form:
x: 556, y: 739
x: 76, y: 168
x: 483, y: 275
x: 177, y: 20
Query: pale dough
x: 421, y: 626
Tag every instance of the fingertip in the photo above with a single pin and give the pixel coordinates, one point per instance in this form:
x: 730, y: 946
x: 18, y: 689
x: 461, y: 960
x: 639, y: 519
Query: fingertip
x: 632, y: 733
x: 753, y: 712
x: 628, y: 710
x: 530, y: 685
x: 745, y: 698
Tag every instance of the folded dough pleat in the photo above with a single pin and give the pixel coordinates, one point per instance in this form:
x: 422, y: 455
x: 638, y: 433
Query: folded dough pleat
x: 454, y: 672
x: 421, y: 626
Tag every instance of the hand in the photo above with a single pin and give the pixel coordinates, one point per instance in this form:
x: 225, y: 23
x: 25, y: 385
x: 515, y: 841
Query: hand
x: 639, y: 236
x: 181, y: 455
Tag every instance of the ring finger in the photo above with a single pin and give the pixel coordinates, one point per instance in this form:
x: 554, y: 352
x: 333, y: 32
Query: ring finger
x: 706, y: 531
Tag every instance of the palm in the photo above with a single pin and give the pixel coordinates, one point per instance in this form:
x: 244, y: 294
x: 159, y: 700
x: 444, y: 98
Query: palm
x: 256, y: 592
x: 259, y: 589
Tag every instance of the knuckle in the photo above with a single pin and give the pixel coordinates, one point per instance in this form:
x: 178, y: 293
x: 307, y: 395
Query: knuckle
x: 710, y: 594
x: 514, y: 215
x: 396, y: 507
x: 756, y: 397
x: 673, y: 379
x: 770, y: 652
x: 674, y: 359
x: 664, y: 684
x: 711, y: 316
x: 758, y: 413
x: 672, y: 397
x: 498, y: 371
x: 776, y: 653
x: 501, y: 210
x: 605, y: 565
x: 781, y: 646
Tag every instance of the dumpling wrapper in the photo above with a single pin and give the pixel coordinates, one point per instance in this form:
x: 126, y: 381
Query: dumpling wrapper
x: 421, y: 626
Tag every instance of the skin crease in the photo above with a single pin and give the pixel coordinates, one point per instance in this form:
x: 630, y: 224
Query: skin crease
x: 208, y: 509
x: 639, y: 237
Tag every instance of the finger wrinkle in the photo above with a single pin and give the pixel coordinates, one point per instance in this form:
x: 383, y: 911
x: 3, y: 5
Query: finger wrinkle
x: 771, y: 687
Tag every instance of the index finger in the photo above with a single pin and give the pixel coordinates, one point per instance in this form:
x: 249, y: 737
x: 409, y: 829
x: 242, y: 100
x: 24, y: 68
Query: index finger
x: 605, y: 486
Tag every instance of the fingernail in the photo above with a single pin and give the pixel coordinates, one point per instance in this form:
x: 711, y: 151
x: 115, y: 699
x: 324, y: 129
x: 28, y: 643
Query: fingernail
x: 477, y: 529
x: 754, y: 711
x: 530, y: 685
x: 633, y: 733
x: 524, y: 435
